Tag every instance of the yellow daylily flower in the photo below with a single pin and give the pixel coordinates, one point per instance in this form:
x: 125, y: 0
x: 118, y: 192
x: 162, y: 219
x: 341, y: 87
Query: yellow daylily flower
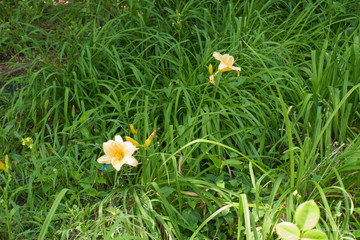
x: 118, y: 153
x: 226, y: 62
x: 2, y: 167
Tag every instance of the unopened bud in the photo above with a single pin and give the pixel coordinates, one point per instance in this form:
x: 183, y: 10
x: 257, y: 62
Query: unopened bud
x: 212, y: 79
x: 6, y: 166
x: 133, y: 141
x: 133, y: 129
x: 150, y: 138
x: 210, y: 69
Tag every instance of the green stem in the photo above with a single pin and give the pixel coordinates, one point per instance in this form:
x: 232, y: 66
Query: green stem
x: 115, y: 179
x: 6, y: 203
x: 198, y: 111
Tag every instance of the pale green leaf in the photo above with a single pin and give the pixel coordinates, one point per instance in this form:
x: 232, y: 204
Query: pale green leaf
x: 287, y: 231
x: 314, y: 235
x: 307, y: 215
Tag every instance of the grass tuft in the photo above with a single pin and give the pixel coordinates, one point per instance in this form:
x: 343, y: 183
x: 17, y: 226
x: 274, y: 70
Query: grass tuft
x: 229, y: 160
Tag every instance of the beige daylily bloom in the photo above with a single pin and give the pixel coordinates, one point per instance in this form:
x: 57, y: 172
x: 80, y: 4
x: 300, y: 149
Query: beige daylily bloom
x: 226, y: 62
x: 118, y: 153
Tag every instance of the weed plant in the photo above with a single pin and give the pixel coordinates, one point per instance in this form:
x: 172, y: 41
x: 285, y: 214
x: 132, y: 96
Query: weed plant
x: 228, y: 161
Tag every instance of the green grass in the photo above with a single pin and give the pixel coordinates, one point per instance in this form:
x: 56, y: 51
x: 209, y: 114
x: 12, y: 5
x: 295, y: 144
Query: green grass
x: 226, y: 158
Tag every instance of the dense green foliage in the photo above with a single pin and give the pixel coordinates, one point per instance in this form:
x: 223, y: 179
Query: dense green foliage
x: 226, y: 158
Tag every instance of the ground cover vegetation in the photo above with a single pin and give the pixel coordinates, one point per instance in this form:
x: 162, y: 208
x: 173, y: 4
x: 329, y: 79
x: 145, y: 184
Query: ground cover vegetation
x: 229, y: 160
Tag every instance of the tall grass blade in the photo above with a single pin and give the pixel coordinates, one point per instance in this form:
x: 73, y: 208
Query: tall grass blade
x: 51, y: 214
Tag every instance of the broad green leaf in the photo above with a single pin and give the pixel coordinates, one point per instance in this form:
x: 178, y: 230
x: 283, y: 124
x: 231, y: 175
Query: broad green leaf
x: 167, y: 191
x: 287, y: 231
x: 217, y: 162
x: 86, y: 115
x: 113, y: 211
x: 307, y: 215
x: 101, y: 180
x: 314, y: 235
x: 85, y: 132
x: 181, y: 129
x: 192, y: 216
x: 220, y: 183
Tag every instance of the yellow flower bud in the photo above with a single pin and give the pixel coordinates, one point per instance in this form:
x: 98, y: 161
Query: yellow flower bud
x: 150, y: 138
x: 133, y: 141
x: 147, y: 142
x: 133, y: 129
x: 212, y: 79
x: 6, y: 161
x: 210, y: 69
x: 6, y: 167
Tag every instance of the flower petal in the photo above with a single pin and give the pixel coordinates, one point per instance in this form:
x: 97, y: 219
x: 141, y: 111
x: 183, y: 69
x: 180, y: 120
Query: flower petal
x: 224, y: 58
x: 117, y: 164
x: 131, y: 161
x: 223, y: 67
x: 228, y: 60
x: 128, y: 148
x: 217, y: 56
x: 110, y: 147
x: 235, y: 68
x: 105, y: 159
x: 119, y: 139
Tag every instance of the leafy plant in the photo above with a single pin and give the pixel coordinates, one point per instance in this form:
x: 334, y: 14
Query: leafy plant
x: 306, y: 218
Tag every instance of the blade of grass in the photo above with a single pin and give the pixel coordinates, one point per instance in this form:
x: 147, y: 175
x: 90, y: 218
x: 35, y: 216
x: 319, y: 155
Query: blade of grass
x: 51, y: 214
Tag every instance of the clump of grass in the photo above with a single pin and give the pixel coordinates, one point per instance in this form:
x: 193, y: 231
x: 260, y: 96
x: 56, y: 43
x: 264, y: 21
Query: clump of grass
x: 226, y: 158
